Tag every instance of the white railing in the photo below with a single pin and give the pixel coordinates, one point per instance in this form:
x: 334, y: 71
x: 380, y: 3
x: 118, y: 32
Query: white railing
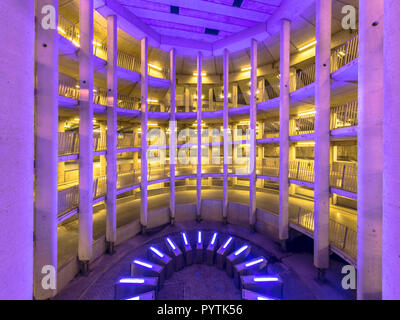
x: 302, y: 170
x: 344, y: 54
x: 344, y: 115
x: 344, y: 176
x: 68, y: 143
x: 302, y: 125
x: 268, y: 167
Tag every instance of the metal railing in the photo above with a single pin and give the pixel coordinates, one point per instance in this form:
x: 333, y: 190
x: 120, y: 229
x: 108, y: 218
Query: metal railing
x: 341, y: 236
x: 268, y: 167
x: 344, y: 115
x: 127, y: 140
x: 302, y: 170
x: 128, y: 179
x: 68, y: 143
x: 271, y: 129
x: 70, y: 31
x: 302, y: 125
x: 344, y: 54
x: 68, y: 199
x: 303, y: 78
x: 344, y: 176
x: 99, y: 142
x: 272, y: 91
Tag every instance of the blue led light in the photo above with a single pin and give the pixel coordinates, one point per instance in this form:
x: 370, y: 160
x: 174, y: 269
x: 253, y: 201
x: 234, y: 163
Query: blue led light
x: 240, y: 250
x: 171, y: 244
x: 143, y: 264
x: 213, y: 238
x: 227, y: 242
x: 157, y: 252
x: 199, y: 237
x: 265, y: 279
x: 184, y: 238
x: 134, y: 298
x: 252, y: 263
x: 131, y: 280
x: 264, y: 298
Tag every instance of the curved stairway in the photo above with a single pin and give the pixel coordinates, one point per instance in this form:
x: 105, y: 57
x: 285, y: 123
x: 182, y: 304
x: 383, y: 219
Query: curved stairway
x: 248, y: 270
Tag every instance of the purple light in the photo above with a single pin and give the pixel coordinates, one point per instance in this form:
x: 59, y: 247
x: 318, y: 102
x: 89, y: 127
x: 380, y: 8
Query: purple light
x: 252, y: 263
x: 227, y: 243
x: 240, y: 250
x: 134, y: 298
x: 143, y: 264
x: 157, y: 252
x: 265, y: 279
x: 213, y: 238
x: 131, y: 280
x: 171, y: 244
x: 199, y: 237
x: 184, y: 238
x: 264, y: 298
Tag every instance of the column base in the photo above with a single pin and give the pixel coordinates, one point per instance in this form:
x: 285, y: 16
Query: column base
x: 172, y: 221
x: 283, y: 245
x: 225, y: 220
x: 321, y: 275
x: 198, y: 219
x: 143, y: 229
x: 253, y: 228
x: 84, y: 267
x: 110, y: 247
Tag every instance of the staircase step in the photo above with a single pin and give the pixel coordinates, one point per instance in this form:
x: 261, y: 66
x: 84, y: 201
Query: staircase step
x: 151, y: 295
x: 144, y: 268
x: 187, y: 249
x: 161, y: 258
x: 237, y: 256
x: 210, y: 251
x: 248, y: 267
x: 176, y: 253
x: 134, y: 286
x: 264, y: 284
x: 251, y: 295
x: 225, y: 249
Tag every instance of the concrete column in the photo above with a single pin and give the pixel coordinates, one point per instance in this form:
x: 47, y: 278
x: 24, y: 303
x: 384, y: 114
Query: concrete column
x: 369, y: 175
x: 85, y: 134
x: 284, y: 131
x: 211, y: 99
x: 199, y: 118
x: 253, y: 140
x: 61, y: 165
x: 391, y: 150
x: 226, y: 140
x: 46, y: 163
x: 187, y: 99
x: 144, y: 121
x: 322, y: 106
x: 17, y: 66
x: 234, y: 95
x: 172, y: 134
x: 112, y: 102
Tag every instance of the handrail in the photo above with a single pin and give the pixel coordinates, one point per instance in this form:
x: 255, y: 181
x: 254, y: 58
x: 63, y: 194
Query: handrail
x: 344, y: 115
x: 268, y: 167
x: 341, y: 236
x: 70, y: 31
x: 344, y: 54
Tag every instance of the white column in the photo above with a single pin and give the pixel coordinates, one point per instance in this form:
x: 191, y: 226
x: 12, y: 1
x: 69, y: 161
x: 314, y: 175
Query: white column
x: 391, y: 150
x: 46, y: 163
x: 322, y: 107
x: 85, y: 134
x: 369, y: 175
x: 226, y: 137
x: 284, y: 131
x: 112, y: 102
x: 253, y: 140
x: 172, y: 135
x: 17, y: 148
x: 144, y: 121
x: 199, y: 118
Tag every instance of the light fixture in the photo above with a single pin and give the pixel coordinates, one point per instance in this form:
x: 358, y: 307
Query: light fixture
x: 308, y: 45
x: 307, y: 113
x: 155, y: 67
x: 252, y: 263
x: 76, y: 44
x: 131, y: 280
x: 152, y: 100
x: 61, y: 30
x: 306, y: 143
x: 203, y: 74
x: 246, y: 69
x: 95, y: 43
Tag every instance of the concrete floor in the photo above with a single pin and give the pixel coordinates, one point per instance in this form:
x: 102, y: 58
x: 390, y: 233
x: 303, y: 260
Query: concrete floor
x: 128, y: 210
x: 209, y: 283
